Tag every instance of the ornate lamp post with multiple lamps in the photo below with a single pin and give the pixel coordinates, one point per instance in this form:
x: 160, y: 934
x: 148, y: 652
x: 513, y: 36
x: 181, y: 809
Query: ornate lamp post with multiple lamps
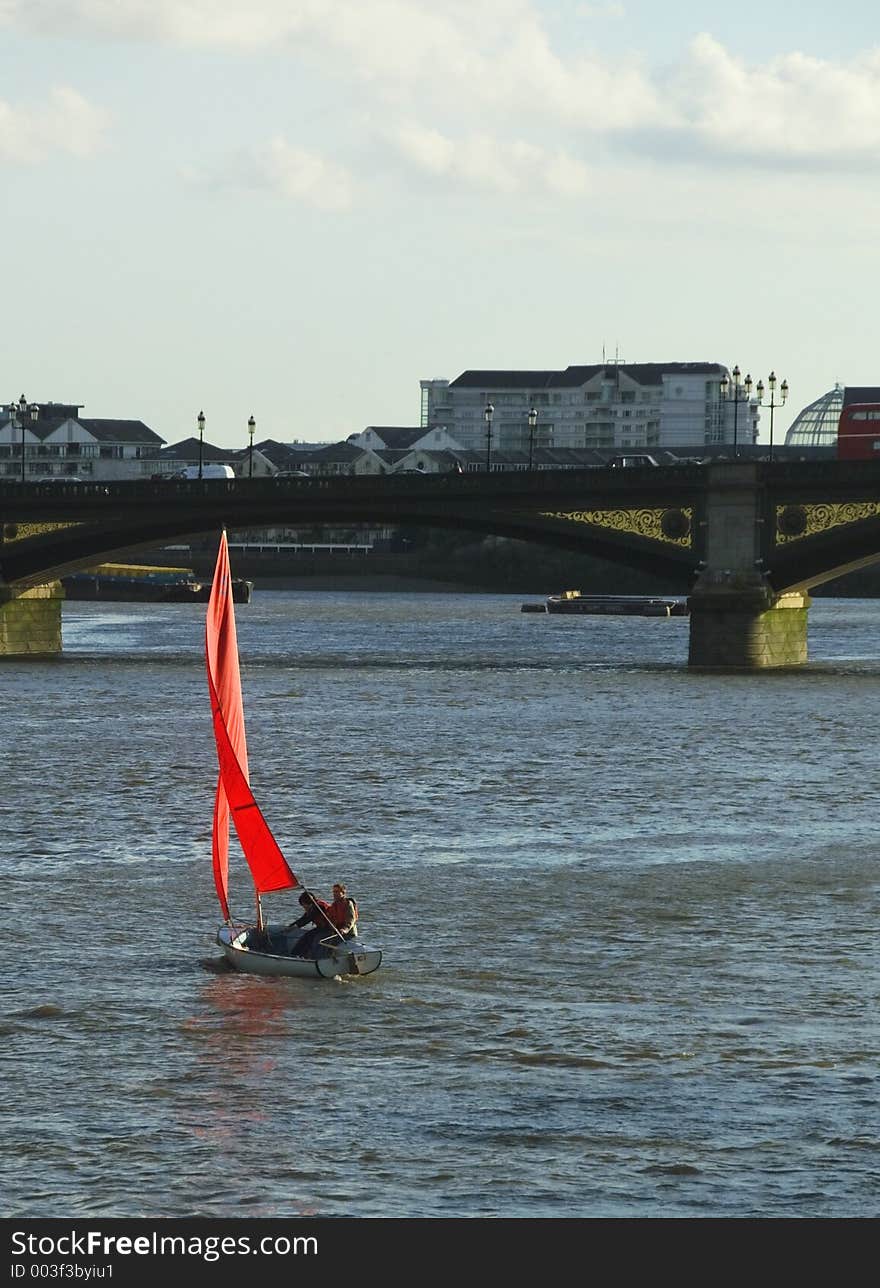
x: 18, y: 415
x: 252, y: 425
x: 488, y: 414
x: 533, y: 420
x: 201, y: 423
x: 738, y: 387
x: 773, y: 404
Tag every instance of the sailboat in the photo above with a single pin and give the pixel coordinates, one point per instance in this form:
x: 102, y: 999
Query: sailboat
x: 255, y: 947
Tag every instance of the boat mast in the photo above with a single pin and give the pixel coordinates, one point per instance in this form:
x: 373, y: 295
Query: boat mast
x: 260, y: 921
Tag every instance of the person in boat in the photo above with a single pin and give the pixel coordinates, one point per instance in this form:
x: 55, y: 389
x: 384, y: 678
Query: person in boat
x: 336, y: 920
x: 343, y: 912
x: 317, y: 912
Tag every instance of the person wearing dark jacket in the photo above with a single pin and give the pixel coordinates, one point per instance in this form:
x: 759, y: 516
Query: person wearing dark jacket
x: 316, y: 911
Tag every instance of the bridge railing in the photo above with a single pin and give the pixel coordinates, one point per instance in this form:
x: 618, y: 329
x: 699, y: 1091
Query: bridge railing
x: 497, y: 480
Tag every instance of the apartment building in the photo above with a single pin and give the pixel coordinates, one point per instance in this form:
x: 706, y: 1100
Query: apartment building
x: 614, y: 406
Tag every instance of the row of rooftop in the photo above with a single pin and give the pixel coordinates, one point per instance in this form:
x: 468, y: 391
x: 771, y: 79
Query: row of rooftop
x: 114, y: 450
x: 597, y: 415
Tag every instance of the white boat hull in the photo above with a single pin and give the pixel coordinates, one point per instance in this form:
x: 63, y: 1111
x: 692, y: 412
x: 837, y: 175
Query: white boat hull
x: 348, y: 959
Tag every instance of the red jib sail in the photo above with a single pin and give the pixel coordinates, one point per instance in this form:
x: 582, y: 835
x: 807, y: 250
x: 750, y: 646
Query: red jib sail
x: 268, y: 865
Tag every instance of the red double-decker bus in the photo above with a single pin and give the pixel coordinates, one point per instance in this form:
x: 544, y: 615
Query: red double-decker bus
x: 858, y: 432
x: 858, y: 429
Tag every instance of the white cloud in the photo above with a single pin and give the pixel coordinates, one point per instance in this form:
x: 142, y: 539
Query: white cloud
x: 794, y: 109
x: 448, y: 63
x: 284, y: 169
x: 489, y: 49
x: 66, y: 123
x: 480, y: 162
x: 404, y: 29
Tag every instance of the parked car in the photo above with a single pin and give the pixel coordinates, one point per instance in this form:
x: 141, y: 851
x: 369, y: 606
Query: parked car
x: 292, y: 474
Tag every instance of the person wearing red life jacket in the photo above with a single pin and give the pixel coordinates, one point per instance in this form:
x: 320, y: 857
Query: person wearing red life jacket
x: 343, y: 912
x: 331, y: 921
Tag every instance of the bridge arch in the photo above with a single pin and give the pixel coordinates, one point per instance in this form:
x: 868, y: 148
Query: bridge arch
x: 743, y: 539
x: 47, y: 536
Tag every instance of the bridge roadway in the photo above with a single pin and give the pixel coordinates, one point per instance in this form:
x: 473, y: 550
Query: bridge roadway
x: 745, y: 540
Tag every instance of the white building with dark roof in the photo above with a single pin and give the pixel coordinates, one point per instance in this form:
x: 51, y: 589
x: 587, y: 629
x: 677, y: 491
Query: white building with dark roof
x: 398, y: 438
x: 57, y: 442
x: 612, y: 406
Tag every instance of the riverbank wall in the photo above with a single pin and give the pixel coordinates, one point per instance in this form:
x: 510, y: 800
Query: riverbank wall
x: 491, y: 566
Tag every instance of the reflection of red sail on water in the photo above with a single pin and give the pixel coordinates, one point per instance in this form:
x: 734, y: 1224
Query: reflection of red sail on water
x: 242, y: 1024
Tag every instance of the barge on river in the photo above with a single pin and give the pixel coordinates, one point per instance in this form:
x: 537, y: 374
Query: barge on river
x: 576, y: 604
x: 135, y: 583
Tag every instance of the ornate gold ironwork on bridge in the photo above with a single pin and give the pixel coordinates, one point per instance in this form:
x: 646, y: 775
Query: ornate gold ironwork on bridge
x: 672, y: 526
x: 11, y: 532
x: 795, y: 522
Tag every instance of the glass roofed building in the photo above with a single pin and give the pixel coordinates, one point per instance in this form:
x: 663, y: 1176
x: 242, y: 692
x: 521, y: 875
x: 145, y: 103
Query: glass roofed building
x: 816, y: 425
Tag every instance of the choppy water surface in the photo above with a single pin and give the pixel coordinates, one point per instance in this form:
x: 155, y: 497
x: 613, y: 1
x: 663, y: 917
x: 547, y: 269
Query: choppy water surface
x: 628, y: 914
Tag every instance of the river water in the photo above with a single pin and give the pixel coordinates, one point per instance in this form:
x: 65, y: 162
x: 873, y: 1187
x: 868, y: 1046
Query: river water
x: 628, y: 913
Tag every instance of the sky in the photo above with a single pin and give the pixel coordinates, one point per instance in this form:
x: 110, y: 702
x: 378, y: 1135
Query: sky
x: 298, y: 209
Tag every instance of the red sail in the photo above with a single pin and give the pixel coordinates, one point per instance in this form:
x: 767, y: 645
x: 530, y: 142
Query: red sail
x: 268, y: 865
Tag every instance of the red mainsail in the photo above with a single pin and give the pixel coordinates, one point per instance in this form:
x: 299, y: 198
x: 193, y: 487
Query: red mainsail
x: 268, y: 865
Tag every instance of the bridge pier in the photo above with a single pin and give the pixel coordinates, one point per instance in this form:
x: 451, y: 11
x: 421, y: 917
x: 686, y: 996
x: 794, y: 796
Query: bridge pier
x: 736, y: 619
x: 30, y: 621
x: 736, y: 622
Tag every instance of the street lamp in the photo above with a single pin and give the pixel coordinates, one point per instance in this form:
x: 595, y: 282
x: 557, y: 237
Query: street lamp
x: 533, y: 420
x: 489, y: 413
x: 201, y: 421
x: 738, y: 385
x: 783, y: 391
x: 252, y: 425
x: 18, y: 415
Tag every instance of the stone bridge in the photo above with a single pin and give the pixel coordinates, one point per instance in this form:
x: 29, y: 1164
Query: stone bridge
x: 744, y: 540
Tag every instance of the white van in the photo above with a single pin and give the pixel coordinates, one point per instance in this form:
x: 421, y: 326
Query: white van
x: 626, y: 462
x: 208, y: 472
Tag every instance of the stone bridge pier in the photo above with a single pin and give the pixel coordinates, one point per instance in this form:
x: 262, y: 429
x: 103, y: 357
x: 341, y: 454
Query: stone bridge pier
x: 736, y: 618
x: 30, y: 620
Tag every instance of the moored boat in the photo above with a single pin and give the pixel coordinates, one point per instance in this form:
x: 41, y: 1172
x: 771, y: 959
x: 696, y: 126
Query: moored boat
x: 142, y: 584
x: 575, y: 603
